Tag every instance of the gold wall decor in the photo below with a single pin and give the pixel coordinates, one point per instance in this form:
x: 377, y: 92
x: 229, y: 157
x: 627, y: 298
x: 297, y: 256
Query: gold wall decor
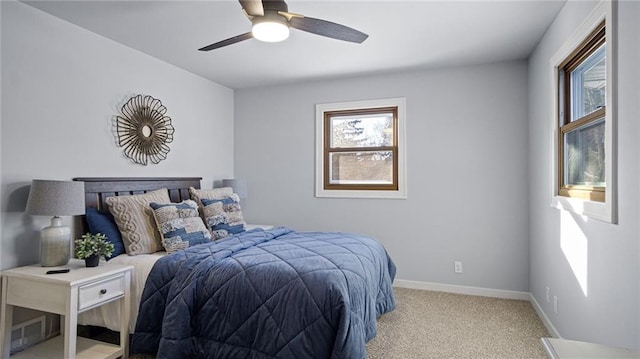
x: 144, y: 130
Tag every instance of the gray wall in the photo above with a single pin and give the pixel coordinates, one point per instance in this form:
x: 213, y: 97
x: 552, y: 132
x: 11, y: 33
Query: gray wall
x: 605, y: 309
x: 466, y: 165
x: 61, y: 88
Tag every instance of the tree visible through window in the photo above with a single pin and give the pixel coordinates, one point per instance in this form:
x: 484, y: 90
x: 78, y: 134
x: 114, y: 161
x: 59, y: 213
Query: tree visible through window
x: 361, y: 149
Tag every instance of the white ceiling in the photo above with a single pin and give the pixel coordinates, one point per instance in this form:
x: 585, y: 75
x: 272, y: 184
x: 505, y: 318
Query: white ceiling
x: 403, y: 35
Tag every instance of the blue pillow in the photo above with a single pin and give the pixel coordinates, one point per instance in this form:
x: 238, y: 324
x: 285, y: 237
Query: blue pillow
x: 223, y: 216
x: 103, y: 222
x: 180, y: 225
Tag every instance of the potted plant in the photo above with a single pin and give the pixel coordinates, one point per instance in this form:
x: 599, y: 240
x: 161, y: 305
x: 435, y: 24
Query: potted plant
x: 91, y: 247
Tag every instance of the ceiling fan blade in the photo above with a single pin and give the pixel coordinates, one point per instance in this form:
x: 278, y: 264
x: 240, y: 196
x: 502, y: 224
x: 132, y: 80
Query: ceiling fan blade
x: 328, y: 29
x: 226, y: 42
x: 275, y: 5
x: 252, y: 7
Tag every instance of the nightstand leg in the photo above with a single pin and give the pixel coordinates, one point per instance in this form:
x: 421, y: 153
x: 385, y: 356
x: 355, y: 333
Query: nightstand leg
x: 6, y: 313
x: 125, y: 312
x: 71, y: 324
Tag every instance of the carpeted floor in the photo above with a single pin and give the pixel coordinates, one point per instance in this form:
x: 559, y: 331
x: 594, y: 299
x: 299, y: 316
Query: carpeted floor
x: 438, y: 325
x: 441, y: 325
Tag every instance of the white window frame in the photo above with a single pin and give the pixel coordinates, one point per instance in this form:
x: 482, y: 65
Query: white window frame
x: 607, y: 210
x: 401, y: 192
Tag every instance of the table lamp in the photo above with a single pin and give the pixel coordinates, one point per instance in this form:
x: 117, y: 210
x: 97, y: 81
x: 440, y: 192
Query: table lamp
x: 239, y: 187
x: 55, y: 198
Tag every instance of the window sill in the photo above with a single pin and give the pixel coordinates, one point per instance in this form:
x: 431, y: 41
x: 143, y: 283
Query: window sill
x: 588, y: 193
x: 597, y: 210
x: 400, y: 194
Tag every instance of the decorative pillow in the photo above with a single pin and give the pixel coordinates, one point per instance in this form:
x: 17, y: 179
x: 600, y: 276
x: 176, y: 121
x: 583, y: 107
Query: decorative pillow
x: 103, y: 222
x: 223, y: 216
x: 215, y: 193
x: 135, y: 220
x: 180, y: 225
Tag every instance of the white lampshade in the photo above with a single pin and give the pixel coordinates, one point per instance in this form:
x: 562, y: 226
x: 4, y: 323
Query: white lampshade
x: 239, y: 187
x: 55, y: 198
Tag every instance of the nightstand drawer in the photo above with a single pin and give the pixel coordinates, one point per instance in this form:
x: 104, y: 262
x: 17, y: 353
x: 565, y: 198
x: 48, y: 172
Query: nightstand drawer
x: 93, y: 294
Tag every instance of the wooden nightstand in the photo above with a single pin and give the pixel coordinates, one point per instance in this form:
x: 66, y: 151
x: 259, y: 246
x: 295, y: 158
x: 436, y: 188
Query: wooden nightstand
x: 66, y: 294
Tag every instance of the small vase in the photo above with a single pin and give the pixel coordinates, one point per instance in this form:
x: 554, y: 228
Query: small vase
x: 92, y: 260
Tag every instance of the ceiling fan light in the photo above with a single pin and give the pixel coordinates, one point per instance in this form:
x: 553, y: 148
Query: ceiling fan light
x: 270, y: 30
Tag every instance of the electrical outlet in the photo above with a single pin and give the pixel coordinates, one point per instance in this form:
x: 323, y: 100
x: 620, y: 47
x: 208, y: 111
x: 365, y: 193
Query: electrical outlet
x: 548, y: 292
x: 457, y: 266
x: 555, y: 304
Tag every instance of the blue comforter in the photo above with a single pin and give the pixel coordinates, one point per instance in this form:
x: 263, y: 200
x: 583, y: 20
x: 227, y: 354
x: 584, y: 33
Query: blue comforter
x: 266, y: 294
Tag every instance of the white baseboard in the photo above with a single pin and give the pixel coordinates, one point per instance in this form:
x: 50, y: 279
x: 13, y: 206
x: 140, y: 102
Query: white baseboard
x: 459, y: 289
x: 543, y: 316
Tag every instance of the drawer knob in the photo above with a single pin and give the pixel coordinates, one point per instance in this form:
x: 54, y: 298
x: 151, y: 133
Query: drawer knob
x: 103, y: 291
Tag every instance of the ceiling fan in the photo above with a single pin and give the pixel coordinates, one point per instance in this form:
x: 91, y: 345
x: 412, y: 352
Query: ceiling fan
x: 271, y: 21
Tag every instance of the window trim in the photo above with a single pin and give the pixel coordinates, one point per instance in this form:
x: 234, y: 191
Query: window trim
x: 367, y: 191
x: 602, y: 210
x: 589, y: 46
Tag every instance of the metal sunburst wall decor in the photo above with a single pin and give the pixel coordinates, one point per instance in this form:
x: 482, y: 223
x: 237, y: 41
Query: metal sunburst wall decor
x: 144, y: 130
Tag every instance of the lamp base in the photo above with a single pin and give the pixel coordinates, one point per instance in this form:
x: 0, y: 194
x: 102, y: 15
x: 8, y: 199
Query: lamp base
x: 55, y: 244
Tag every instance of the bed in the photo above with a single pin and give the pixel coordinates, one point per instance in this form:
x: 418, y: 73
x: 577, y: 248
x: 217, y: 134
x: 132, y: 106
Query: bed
x: 273, y: 293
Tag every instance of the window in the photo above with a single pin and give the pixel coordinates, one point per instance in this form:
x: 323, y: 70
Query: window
x: 583, y: 97
x: 581, y: 155
x: 360, y: 149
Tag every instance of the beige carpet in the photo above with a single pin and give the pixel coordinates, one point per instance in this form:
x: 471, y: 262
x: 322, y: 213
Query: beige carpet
x: 437, y: 325
x: 441, y: 325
